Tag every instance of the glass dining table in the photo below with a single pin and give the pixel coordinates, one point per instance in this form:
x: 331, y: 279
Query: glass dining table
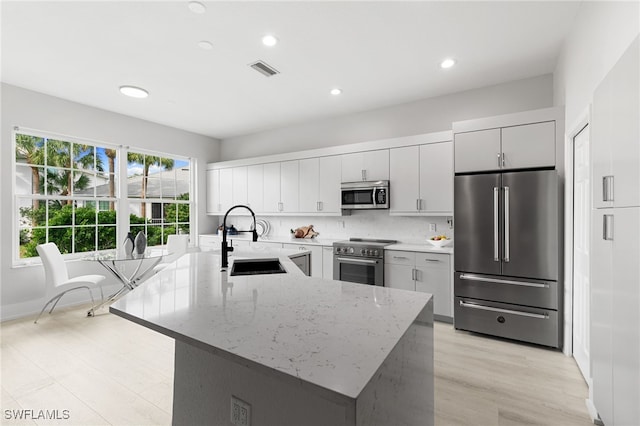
x: 130, y: 270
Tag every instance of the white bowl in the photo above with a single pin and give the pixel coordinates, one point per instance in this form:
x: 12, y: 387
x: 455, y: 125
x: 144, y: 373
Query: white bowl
x: 440, y: 243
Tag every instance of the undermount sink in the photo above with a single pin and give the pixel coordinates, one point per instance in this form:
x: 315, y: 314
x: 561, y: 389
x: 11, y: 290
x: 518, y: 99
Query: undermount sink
x: 257, y: 267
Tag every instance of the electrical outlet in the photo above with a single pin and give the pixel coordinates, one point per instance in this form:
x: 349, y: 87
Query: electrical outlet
x: 432, y: 227
x: 240, y: 412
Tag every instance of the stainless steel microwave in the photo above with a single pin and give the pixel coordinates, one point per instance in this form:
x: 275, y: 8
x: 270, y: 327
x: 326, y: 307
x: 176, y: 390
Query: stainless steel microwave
x: 365, y: 195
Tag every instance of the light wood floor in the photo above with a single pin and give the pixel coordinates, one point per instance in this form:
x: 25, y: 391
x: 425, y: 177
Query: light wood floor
x: 106, y: 370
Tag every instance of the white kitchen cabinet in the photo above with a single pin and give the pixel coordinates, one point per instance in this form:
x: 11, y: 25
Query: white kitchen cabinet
x: 226, y: 189
x: 208, y: 242
x: 255, y: 191
x: 327, y: 262
x: 271, y: 187
x: 289, y: 186
x: 615, y: 149
x: 266, y: 244
x: 239, y: 185
x: 365, y: 166
x: 320, y: 185
x: 316, y: 264
x: 514, y: 147
x: 475, y: 151
x: 213, y: 191
x: 423, y: 272
x: 615, y: 244
x: 423, y: 179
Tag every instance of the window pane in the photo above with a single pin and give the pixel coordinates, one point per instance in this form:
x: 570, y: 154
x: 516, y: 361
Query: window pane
x: 62, y: 237
x: 107, y: 216
x: 84, y: 157
x: 85, y: 215
x: 183, y: 228
x: 154, y: 235
x: 106, y: 237
x: 58, y: 153
x: 29, y: 149
x: 106, y: 185
x: 183, y: 212
x: 59, y: 213
x: 84, y: 184
x: 84, y: 239
x: 31, y: 212
x: 139, y: 211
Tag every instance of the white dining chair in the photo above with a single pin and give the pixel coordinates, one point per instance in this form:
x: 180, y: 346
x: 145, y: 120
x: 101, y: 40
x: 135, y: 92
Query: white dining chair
x: 177, y: 245
x: 57, y: 279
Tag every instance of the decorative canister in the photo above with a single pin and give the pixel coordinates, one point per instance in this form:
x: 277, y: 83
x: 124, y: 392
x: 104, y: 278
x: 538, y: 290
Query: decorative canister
x: 129, y: 244
x: 141, y: 242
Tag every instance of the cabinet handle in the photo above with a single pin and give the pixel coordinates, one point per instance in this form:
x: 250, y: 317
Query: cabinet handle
x: 280, y: 206
x: 496, y: 224
x: 503, y: 159
x: 607, y: 188
x: 413, y: 274
x: 364, y: 174
x: 432, y: 260
x: 506, y: 224
x: 607, y: 227
x: 499, y: 160
x: 400, y: 257
x: 504, y: 311
x: 417, y: 203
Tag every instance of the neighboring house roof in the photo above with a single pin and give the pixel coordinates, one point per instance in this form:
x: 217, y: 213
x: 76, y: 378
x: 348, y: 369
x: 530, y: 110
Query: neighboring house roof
x: 165, y: 184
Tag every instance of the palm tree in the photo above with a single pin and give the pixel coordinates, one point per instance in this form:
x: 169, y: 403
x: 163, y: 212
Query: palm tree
x: 147, y: 161
x: 111, y: 156
x: 31, y: 150
x: 72, y: 157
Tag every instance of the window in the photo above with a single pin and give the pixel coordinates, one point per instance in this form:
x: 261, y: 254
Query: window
x: 70, y: 191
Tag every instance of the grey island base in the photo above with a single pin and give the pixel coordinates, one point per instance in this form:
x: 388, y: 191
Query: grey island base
x: 287, y: 349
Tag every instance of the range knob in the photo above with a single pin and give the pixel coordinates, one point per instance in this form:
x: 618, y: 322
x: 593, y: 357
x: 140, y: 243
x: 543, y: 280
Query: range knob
x: 375, y: 253
x: 351, y: 250
x: 363, y: 252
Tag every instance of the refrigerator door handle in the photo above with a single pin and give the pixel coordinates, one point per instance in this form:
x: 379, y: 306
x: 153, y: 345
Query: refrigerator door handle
x: 506, y: 224
x: 497, y: 281
x: 496, y: 224
x: 503, y: 311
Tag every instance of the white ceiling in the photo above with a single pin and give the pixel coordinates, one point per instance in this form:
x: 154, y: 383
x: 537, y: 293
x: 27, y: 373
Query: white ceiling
x: 380, y: 53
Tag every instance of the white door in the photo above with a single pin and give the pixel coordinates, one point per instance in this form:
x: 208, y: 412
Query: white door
x: 404, y: 169
x: 436, y: 178
x: 309, y: 170
x: 289, y: 186
x: 329, y: 189
x: 581, y: 225
x: 255, y: 193
x: 271, y: 187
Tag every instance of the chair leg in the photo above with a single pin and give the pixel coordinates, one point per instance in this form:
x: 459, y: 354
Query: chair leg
x: 57, y: 298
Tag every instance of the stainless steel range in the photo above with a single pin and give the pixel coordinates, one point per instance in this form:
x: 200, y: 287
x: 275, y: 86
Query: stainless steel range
x: 360, y: 260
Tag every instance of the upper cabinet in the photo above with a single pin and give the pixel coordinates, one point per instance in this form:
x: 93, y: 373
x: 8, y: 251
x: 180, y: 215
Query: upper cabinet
x: 289, y: 186
x: 507, y: 146
x: 615, y: 135
x: 255, y: 191
x: 213, y: 191
x: 365, y: 166
x: 271, y: 188
x: 226, y: 189
x: 320, y: 185
x: 422, y: 179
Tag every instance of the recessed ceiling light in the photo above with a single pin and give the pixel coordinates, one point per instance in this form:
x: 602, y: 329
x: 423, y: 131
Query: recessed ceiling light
x: 269, y: 40
x: 447, y: 63
x: 336, y: 91
x: 205, y: 45
x: 197, y: 7
x: 134, y: 92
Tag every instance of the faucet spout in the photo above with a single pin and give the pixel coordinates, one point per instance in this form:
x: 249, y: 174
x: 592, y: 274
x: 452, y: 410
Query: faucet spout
x: 225, y: 247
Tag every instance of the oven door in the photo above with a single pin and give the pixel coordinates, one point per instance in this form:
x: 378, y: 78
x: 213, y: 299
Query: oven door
x: 358, y: 270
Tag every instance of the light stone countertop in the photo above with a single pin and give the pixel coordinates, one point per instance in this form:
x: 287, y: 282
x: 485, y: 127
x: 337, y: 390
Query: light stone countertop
x: 422, y: 248
x: 322, y: 334
x: 278, y: 239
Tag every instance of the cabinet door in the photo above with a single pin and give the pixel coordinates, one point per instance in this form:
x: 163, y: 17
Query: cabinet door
x: 436, y: 178
x: 271, y: 187
x: 213, y: 191
x: 352, y: 167
x: 239, y: 184
x: 329, y: 189
x: 376, y: 165
x: 404, y: 171
x: 327, y: 263
x: 434, y: 276
x: 477, y: 151
x: 601, y: 132
x: 626, y: 316
x: 399, y: 276
x: 226, y: 189
x: 529, y: 145
x: 289, y: 186
x: 255, y: 193
x: 601, y: 259
x: 309, y: 185
x: 624, y: 139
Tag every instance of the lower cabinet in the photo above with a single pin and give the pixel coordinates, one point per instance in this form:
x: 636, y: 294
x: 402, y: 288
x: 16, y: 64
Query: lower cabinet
x: 327, y: 262
x: 423, y: 272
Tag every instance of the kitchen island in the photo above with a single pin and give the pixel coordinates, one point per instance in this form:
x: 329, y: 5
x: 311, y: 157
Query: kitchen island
x: 288, y: 349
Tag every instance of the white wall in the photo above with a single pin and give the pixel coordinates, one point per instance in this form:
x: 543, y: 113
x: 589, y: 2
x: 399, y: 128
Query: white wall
x: 600, y: 34
x: 22, y: 289
x: 425, y: 116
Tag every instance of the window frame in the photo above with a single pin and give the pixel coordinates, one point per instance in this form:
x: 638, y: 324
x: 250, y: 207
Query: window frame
x: 121, y: 199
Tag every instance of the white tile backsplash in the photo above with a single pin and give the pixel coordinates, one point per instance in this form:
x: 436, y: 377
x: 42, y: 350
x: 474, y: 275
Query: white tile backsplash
x: 361, y: 224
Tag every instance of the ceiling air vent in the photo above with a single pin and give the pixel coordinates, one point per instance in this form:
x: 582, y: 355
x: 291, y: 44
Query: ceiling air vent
x: 264, y: 69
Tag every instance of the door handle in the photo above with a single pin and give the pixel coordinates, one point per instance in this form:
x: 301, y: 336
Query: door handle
x: 472, y: 277
x: 607, y: 188
x: 503, y: 311
x: 496, y: 224
x: 607, y: 227
x: 506, y: 224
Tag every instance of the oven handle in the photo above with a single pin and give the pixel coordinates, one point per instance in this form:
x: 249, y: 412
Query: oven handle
x: 503, y: 311
x: 356, y: 260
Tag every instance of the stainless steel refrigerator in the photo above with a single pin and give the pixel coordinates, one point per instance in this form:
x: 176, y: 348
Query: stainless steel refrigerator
x: 506, y: 255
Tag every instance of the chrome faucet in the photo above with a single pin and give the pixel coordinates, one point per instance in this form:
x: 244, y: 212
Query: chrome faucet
x: 225, y: 248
